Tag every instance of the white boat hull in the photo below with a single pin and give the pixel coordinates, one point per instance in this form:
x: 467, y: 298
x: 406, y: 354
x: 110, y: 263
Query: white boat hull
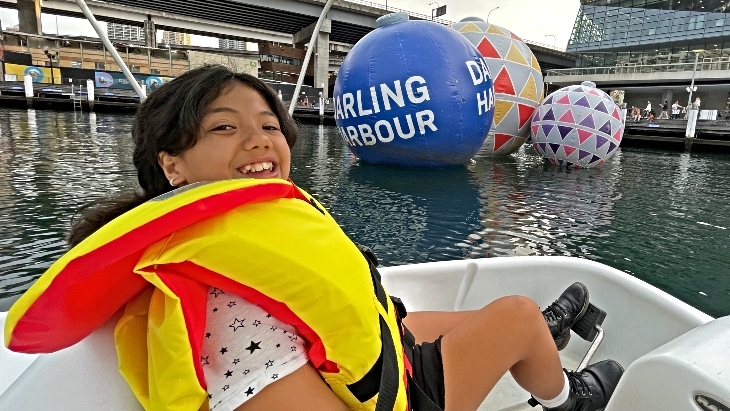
x: 670, y: 356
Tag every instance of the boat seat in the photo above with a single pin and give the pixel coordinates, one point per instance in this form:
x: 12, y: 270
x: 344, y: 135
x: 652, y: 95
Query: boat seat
x: 673, y: 375
x: 83, y: 377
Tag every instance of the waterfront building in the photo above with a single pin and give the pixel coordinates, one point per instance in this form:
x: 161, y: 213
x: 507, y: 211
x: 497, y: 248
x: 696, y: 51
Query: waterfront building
x: 648, y: 49
x: 80, y: 57
x: 175, y: 38
x: 642, y: 32
x: 232, y: 44
x: 124, y: 32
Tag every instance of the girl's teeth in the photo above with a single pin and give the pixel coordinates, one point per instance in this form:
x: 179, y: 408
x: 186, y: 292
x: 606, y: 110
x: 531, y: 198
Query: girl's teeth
x: 254, y: 168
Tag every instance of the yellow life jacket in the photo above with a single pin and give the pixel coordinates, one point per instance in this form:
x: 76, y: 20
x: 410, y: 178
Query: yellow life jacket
x: 264, y: 240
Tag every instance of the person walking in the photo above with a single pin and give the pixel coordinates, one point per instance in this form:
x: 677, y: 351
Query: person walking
x: 647, y: 110
x: 675, y: 110
x: 665, y: 111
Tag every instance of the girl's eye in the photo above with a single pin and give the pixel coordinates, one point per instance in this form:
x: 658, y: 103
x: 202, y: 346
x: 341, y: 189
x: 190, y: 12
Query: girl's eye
x: 224, y: 127
x: 271, y: 128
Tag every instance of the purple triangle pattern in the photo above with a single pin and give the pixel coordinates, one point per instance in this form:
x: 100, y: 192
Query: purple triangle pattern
x: 564, y: 131
x: 588, y: 121
x: 554, y: 147
x: 601, y: 107
x: 560, y: 162
x: 611, y: 147
x: 547, y: 128
x: 594, y: 159
x: 600, y: 141
x: 583, y: 154
x: 542, y: 147
x: 549, y: 115
x: 549, y: 100
x: 583, y: 102
x: 579, y: 89
x: 606, y: 128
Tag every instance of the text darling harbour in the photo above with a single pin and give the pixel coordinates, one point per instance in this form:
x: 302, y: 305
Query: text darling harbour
x: 384, y: 97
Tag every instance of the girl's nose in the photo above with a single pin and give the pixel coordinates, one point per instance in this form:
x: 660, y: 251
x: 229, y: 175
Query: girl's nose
x: 256, y: 140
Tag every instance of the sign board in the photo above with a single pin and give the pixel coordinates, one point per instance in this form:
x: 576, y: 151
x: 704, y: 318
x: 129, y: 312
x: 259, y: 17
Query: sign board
x: 440, y: 11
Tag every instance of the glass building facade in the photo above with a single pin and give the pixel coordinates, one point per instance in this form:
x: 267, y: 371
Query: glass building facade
x: 639, y: 32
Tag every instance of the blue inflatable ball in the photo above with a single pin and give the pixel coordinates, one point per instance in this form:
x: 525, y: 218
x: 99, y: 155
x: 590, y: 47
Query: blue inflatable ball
x: 414, y: 94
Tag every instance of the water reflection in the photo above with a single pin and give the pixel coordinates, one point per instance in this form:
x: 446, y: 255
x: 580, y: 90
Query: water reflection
x: 50, y: 164
x: 661, y: 216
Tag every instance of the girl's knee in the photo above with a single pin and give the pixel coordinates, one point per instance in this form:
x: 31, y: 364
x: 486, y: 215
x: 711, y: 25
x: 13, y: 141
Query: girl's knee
x: 518, y: 308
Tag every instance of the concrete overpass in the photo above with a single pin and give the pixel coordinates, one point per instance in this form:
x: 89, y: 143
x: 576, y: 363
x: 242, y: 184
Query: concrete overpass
x: 282, y: 21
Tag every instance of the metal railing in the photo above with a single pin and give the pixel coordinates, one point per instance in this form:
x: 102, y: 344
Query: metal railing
x: 437, y: 20
x: 640, y: 69
x: 397, y: 10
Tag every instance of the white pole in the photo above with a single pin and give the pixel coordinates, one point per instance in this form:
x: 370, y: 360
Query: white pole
x: 28, y: 85
x: 305, y: 63
x: 90, y: 90
x: 108, y: 44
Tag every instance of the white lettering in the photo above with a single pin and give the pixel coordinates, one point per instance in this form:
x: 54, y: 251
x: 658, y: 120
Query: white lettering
x: 477, y: 75
x: 352, y: 133
x: 338, y: 108
x: 360, y: 111
x: 411, y: 129
x: 396, y: 96
x: 367, y: 134
x: 388, y: 127
x: 347, y: 102
x: 344, y: 135
x: 374, y: 97
x: 421, y: 117
x: 485, y: 102
x: 485, y: 68
x: 423, y: 90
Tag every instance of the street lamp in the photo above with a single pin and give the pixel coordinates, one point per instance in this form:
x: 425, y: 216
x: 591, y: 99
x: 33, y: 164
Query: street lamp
x: 51, y: 57
x: 490, y: 12
x: 692, y: 87
x: 433, y: 9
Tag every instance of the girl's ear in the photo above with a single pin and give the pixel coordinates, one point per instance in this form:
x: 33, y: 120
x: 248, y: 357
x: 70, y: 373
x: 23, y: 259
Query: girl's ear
x: 169, y: 165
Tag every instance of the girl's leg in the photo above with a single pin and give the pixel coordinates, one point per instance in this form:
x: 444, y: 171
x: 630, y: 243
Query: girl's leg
x: 479, y: 347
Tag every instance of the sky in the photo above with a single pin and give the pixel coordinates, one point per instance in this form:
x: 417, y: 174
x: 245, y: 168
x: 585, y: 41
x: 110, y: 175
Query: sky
x: 530, y: 19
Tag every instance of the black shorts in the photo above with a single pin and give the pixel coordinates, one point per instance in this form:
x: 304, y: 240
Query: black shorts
x: 428, y: 376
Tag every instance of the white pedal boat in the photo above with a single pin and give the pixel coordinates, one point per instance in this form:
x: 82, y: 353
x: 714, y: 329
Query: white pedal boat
x: 676, y: 357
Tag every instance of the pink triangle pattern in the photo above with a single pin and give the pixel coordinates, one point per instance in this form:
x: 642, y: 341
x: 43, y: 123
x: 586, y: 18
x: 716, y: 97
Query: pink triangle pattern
x: 584, y: 135
x: 568, y: 150
x: 617, y: 136
x: 563, y: 100
x: 616, y: 115
x: 567, y: 117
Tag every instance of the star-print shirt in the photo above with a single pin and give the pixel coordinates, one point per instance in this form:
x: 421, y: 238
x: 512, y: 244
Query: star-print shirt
x: 244, y: 350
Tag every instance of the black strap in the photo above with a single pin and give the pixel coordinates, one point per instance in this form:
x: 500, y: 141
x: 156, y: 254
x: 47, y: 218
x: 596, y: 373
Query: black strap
x: 383, y: 378
x: 390, y: 378
x: 369, y: 385
x: 419, y: 400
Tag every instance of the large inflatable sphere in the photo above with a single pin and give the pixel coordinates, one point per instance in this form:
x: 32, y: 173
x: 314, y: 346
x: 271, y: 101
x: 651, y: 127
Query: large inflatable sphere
x: 414, y: 94
x: 518, y: 82
x: 577, y: 126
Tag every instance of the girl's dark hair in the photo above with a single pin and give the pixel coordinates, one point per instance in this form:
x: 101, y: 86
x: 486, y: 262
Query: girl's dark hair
x: 170, y: 121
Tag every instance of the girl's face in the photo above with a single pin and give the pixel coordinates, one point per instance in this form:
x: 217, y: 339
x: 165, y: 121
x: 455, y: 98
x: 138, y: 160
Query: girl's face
x: 240, y: 137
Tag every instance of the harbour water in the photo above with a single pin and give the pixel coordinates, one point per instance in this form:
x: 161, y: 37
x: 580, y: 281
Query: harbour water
x: 663, y: 217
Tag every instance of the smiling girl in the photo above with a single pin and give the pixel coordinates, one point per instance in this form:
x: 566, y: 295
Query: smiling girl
x: 240, y: 292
